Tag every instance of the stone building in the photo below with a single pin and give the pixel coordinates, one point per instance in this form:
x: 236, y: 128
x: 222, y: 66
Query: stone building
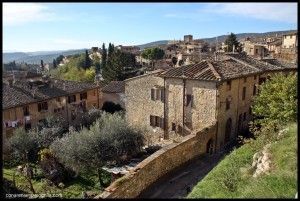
x: 290, y: 40
x: 255, y: 49
x: 192, y: 97
x: 129, y: 49
x: 27, y: 102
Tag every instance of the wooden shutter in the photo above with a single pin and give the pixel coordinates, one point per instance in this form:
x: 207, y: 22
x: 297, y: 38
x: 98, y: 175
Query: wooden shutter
x: 152, y: 94
x: 157, y: 94
x: 152, y: 120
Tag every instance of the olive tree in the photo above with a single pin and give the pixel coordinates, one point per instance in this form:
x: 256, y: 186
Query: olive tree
x: 22, y: 143
x: 108, y: 141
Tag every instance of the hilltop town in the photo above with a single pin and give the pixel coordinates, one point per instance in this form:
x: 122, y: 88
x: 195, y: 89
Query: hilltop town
x: 188, y: 98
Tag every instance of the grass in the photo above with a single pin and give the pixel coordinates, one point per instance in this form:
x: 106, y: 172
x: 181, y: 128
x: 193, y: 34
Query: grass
x: 72, y: 189
x: 232, y: 177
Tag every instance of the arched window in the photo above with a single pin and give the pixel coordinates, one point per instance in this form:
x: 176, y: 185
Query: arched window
x: 228, y: 130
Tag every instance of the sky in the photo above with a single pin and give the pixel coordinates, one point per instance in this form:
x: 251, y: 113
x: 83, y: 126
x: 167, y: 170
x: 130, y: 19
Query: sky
x: 31, y: 27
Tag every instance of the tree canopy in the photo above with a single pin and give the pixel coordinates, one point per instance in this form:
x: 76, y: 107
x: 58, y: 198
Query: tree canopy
x: 230, y: 42
x: 276, y: 103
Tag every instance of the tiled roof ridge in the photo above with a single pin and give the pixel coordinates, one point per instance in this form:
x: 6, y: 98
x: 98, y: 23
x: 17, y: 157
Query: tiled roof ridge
x: 214, y: 71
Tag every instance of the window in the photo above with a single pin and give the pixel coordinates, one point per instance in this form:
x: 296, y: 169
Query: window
x: 245, y: 79
x: 255, y: 77
x: 244, y: 93
x: 156, y: 121
x: 227, y: 104
x: 58, y: 99
x: 173, y: 127
x: 229, y: 85
x: 244, y: 119
x: 189, y: 99
x: 291, y: 37
x: 72, y: 99
x: 94, y: 92
x: 152, y: 120
x: 26, y: 110
x: 254, y: 89
x: 83, y: 96
x: 42, y: 106
x: 158, y: 94
x: 250, y: 111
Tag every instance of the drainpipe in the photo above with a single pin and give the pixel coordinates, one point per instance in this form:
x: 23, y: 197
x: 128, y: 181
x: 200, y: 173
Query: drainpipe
x: 166, y: 125
x: 237, y: 109
x: 183, y: 104
x: 216, y: 117
x: 66, y: 98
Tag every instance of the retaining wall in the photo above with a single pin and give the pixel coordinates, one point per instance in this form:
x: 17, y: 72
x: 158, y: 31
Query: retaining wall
x: 160, y: 163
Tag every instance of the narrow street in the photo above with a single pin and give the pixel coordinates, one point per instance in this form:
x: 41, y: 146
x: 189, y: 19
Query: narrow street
x: 179, y: 182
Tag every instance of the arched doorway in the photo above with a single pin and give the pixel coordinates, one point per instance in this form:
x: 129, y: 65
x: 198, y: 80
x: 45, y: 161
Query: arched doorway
x: 210, y: 146
x: 228, y: 130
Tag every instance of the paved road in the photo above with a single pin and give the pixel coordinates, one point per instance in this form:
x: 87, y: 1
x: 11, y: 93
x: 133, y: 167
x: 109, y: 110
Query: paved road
x: 178, y: 183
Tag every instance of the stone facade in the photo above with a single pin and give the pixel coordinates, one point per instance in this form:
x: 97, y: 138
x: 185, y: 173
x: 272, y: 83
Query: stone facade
x: 56, y: 106
x: 290, y: 41
x: 138, y: 103
x: 199, y: 113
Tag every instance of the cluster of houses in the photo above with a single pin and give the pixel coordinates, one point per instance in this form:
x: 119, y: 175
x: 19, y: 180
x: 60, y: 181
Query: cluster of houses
x: 201, y: 91
x: 284, y: 47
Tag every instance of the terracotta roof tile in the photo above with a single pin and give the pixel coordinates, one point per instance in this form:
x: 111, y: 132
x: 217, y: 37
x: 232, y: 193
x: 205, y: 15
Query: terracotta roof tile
x: 21, y: 92
x: 114, y: 87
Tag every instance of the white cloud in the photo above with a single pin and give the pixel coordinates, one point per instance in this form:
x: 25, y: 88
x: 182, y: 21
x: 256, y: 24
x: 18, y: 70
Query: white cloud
x: 21, y: 13
x: 280, y: 12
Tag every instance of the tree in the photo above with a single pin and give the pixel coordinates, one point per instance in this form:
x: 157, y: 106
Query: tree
x: 42, y: 64
x: 230, y: 42
x: 109, y: 140
x: 174, y: 60
x: 87, y: 61
x: 103, y: 57
x: 117, y: 62
x: 153, y: 54
x: 54, y: 64
x: 22, y: 143
x: 276, y: 109
x: 54, y: 127
x: 59, y: 59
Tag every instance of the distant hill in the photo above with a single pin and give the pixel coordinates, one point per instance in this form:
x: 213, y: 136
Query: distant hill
x: 36, y: 57
x: 153, y: 44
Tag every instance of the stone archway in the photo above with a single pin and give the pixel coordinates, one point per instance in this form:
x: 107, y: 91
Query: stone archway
x: 228, y: 130
x: 210, y: 146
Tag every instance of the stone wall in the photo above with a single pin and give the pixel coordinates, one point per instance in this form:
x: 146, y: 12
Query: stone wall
x: 159, y: 164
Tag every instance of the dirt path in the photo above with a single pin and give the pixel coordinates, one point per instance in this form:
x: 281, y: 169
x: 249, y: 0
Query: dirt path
x: 178, y: 183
